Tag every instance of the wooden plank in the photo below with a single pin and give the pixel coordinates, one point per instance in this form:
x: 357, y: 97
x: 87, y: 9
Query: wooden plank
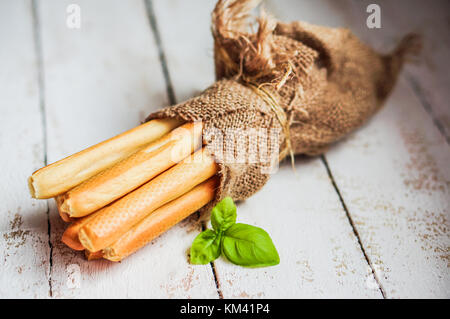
x: 187, y: 46
x: 394, y: 177
x: 393, y: 174
x: 320, y: 256
x: 24, y: 248
x: 100, y: 80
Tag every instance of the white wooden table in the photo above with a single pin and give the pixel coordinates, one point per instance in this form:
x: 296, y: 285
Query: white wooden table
x: 370, y: 219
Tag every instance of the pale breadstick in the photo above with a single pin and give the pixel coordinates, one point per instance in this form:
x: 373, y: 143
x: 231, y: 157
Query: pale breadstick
x: 161, y: 220
x: 132, y: 172
x: 64, y: 174
x: 70, y: 236
x: 111, y: 222
x: 93, y: 255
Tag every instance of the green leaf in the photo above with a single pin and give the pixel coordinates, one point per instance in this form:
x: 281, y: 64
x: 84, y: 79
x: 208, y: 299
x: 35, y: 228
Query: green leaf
x: 249, y: 246
x: 205, y: 247
x: 223, y: 215
x: 242, y: 244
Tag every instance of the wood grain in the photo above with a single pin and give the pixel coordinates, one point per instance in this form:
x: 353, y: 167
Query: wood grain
x: 24, y: 246
x: 394, y: 177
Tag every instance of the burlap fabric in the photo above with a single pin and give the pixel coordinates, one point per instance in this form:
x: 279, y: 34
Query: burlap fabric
x: 326, y: 81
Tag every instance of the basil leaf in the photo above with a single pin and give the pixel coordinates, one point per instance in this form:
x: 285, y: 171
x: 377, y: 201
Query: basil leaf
x: 249, y: 246
x: 205, y: 247
x: 223, y: 215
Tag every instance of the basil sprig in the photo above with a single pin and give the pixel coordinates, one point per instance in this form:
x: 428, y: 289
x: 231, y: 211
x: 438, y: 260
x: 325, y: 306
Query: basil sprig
x: 242, y: 244
x: 206, y: 247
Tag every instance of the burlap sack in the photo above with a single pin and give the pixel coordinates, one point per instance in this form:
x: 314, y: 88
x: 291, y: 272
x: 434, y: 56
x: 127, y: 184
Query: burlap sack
x: 325, y: 82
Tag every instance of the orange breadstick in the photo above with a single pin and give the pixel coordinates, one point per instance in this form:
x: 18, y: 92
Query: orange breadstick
x: 112, y: 221
x: 64, y: 174
x: 70, y: 236
x: 132, y: 172
x: 93, y: 255
x: 64, y: 216
x: 161, y: 220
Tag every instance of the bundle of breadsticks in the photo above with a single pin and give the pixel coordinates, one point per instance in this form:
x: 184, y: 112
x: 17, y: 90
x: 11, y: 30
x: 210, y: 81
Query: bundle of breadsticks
x: 120, y: 194
x: 285, y: 89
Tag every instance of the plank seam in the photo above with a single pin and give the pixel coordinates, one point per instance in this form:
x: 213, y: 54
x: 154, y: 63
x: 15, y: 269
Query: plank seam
x: 162, y: 57
x: 352, y: 224
x: 213, y: 267
x: 421, y: 96
x: 41, y: 88
x: 172, y: 100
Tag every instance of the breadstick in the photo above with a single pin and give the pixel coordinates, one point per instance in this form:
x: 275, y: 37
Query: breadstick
x: 64, y: 216
x: 112, y: 221
x: 70, y: 236
x: 93, y: 255
x: 132, y: 172
x: 64, y: 174
x: 161, y: 220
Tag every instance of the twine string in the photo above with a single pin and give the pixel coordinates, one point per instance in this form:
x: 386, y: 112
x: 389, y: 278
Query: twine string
x: 281, y: 117
x: 267, y: 96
